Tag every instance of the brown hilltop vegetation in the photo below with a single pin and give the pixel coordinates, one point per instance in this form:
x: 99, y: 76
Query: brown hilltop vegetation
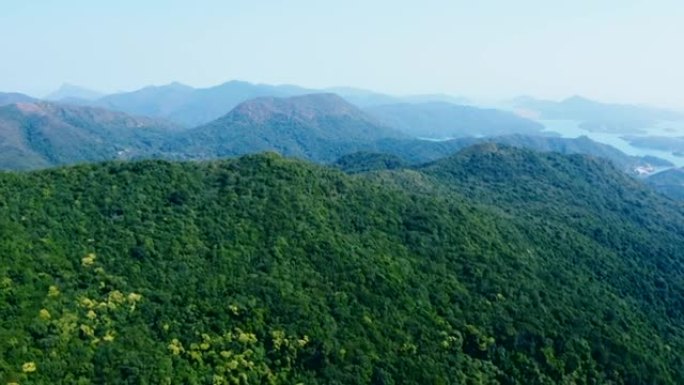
x: 40, y: 134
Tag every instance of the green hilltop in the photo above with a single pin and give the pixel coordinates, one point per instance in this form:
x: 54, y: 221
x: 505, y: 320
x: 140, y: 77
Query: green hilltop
x: 493, y: 266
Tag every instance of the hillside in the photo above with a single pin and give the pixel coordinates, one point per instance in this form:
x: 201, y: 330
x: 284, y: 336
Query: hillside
x: 7, y: 98
x: 192, y: 106
x: 72, y: 93
x: 420, y: 151
x: 42, y: 134
x: 319, y: 127
x: 446, y: 120
x: 358, y: 162
x: 267, y: 270
x: 669, y: 182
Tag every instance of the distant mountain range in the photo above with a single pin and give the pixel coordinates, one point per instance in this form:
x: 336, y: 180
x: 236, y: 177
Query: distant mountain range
x: 192, y: 107
x: 427, y: 115
x: 447, y: 120
x: 288, y: 119
x: 318, y: 127
x: 73, y: 94
x: 364, y: 98
x: 596, y: 116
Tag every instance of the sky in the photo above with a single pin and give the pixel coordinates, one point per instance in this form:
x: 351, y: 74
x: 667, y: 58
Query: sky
x: 619, y: 51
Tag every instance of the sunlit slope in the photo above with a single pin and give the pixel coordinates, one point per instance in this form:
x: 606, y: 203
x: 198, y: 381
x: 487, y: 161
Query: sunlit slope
x: 268, y: 270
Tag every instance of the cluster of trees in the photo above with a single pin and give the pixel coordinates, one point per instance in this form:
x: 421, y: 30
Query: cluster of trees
x: 496, y: 266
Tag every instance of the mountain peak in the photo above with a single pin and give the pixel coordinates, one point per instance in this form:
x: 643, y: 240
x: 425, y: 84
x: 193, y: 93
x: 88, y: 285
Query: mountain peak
x: 306, y: 107
x: 173, y: 86
x: 72, y: 91
x: 577, y: 99
x: 314, y: 126
x: 177, y: 85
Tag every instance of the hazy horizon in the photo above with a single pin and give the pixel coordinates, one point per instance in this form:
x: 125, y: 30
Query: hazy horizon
x: 622, y: 52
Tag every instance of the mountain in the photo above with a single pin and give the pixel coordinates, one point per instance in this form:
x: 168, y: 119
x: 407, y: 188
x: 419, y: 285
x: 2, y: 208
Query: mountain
x: 365, y: 98
x: 192, y: 106
x: 597, y: 116
x: 493, y: 266
x: 14, y: 97
x: 319, y: 127
x: 436, y: 98
x: 582, y: 145
x: 73, y: 93
x: 42, y: 134
x: 156, y: 101
x: 446, y: 120
x: 197, y: 106
x: 420, y: 151
x: 669, y: 182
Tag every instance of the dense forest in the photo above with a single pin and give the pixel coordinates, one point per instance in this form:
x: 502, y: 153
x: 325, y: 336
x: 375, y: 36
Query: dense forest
x: 493, y: 266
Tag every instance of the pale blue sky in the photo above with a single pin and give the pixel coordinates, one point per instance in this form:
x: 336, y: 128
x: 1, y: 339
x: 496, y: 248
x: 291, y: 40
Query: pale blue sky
x: 624, y: 50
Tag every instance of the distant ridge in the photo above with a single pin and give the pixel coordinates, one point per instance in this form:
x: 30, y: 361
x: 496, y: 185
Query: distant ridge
x: 447, y: 120
x: 192, y: 106
x: 420, y: 151
x: 14, y: 97
x: 669, y: 182
x: 72, y: 93
x: 318, y: 127
x: 42, y: 134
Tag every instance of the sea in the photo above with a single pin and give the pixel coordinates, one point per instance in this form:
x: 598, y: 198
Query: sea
x: 572, y: 129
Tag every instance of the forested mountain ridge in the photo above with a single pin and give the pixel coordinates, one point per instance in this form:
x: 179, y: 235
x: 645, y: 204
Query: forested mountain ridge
x: 421, y: 151
x: 268, y: 270
x: 318, y: 127
x: 43, y: 134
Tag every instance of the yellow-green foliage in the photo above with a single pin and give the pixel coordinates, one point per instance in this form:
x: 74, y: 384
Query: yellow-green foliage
x: 85, y: 318
x: 267, y: 270
x: 238, y: 357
